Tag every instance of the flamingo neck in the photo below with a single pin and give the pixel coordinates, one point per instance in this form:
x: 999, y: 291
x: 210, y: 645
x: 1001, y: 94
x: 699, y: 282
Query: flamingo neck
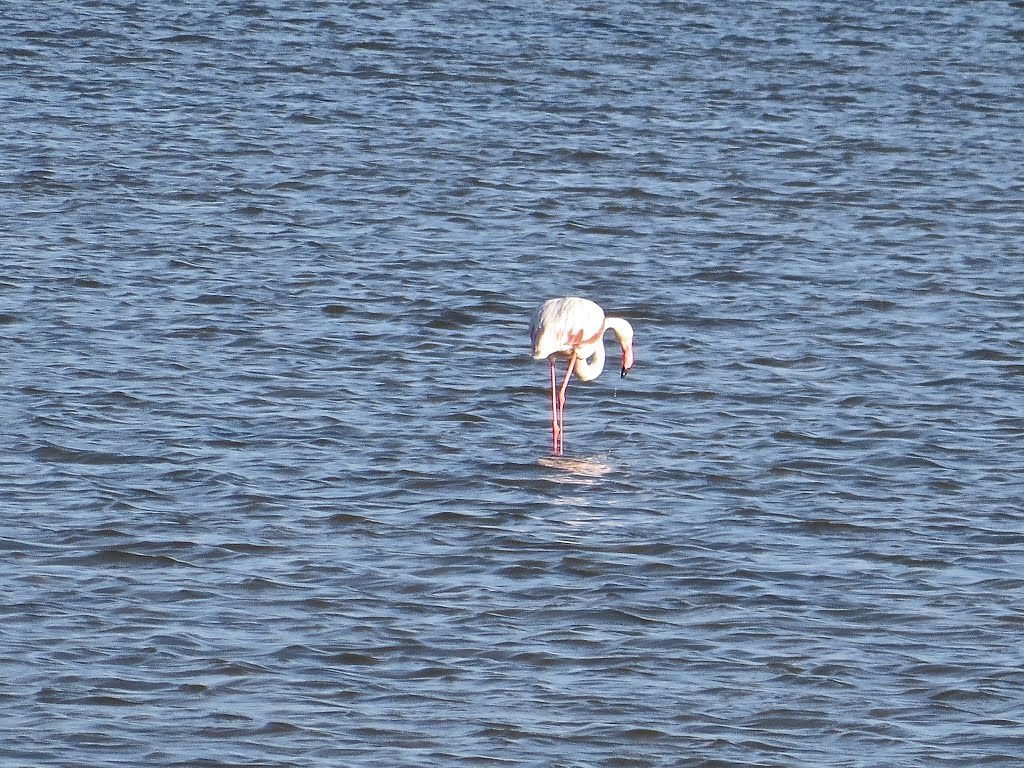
x: 624, y: 334
x: 590, y: 361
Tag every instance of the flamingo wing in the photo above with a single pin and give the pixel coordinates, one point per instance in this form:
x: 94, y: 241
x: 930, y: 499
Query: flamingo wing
x: 562, y: 325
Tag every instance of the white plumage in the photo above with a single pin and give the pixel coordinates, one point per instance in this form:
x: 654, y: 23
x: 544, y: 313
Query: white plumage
x: 573, y: 327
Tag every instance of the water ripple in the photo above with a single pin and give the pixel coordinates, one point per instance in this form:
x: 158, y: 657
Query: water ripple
x: 277, y: 485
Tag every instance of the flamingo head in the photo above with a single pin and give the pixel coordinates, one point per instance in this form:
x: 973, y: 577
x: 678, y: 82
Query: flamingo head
x: 627, y: 358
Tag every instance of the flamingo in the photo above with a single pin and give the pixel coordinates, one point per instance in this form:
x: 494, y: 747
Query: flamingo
x: 573, y: 327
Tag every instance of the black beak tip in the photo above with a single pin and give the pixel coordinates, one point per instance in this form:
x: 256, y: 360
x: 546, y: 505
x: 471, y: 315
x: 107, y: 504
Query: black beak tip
x: 624, y: 372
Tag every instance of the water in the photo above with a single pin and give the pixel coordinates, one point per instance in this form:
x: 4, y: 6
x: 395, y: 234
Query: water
x: 277, y: 489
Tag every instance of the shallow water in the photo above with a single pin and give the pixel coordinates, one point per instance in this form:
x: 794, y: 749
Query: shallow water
x: 277, y: 485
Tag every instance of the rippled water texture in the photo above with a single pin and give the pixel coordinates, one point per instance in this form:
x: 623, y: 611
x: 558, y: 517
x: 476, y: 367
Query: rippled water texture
x: 276, y: 483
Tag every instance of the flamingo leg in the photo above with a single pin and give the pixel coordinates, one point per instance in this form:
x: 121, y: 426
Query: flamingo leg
x: 554, y: 410
x: 561, y: 404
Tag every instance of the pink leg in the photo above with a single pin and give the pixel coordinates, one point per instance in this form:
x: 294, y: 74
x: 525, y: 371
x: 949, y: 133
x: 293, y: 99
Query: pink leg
x: 561, y: 405
x: 554, y: 410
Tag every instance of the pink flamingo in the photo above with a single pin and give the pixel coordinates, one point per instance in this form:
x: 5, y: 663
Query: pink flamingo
x: 574, y: 328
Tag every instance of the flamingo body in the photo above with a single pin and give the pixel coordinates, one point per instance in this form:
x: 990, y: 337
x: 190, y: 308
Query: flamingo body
x: 573, y: 327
